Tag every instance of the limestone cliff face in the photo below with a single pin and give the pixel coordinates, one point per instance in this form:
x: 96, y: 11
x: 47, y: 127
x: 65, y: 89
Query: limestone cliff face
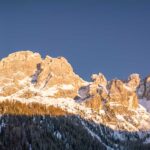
x: 57, y: 71
x: 52, y: 72
x: 23, y: 62
x: 96, y: 92
x: 101, y: 92
x: 28, y: 78
x: 42, y: 73
x: 125, y: 92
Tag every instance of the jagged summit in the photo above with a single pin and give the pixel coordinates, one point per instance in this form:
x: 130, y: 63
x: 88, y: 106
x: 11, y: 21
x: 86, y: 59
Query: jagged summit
x: 25, y: 63
x: 28, y: 78
x: 43, y: 73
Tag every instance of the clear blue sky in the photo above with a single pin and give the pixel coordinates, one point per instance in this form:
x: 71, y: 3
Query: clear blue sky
x: 112, y: 37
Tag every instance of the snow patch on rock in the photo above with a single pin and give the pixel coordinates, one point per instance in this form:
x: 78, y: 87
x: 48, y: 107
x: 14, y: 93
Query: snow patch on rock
x: 145, y: 103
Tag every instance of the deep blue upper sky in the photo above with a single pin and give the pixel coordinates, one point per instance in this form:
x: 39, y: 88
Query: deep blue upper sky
x: 112, y: 37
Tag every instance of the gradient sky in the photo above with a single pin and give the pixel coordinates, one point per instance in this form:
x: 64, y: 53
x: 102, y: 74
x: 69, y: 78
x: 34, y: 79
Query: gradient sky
x: 112, y: 37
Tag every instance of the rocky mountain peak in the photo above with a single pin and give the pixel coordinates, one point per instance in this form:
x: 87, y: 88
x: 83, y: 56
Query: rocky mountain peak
x: 99, y: 79
x: 133, y: 81
x: 24, y: 69
x: 23, y: 61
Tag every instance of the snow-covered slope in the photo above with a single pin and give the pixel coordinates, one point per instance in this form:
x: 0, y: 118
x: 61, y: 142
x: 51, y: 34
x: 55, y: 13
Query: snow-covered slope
x: 145, y: 103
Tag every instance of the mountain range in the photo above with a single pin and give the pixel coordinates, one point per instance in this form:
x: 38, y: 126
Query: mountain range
x: 45, y: 105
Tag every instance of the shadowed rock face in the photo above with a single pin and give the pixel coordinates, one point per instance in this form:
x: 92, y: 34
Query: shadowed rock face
x: 144, y: 88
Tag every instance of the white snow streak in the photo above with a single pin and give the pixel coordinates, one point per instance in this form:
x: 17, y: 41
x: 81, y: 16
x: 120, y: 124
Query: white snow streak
x: 66, y: 87
x: 95, y: 135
